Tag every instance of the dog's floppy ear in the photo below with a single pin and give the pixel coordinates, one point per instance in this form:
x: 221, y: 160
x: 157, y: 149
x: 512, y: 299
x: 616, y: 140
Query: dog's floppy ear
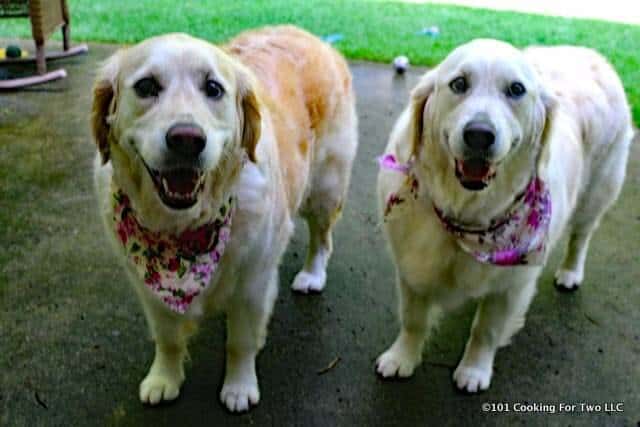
x: 104, y: 104
x: 547, y: 105
x: 249, y: 111
x: 419, y: 97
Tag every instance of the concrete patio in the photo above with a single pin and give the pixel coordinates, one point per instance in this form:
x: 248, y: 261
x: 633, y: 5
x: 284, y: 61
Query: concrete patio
x: 74, y: 345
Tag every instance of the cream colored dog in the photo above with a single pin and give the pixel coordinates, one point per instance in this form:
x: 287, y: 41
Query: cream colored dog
x: 205, y: 154
x: 498, y: 153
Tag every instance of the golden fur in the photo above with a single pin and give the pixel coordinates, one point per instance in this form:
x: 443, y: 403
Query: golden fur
x: 288, y: 109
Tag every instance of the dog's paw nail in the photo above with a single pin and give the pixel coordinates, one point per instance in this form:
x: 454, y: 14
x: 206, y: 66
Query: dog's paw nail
x: 567, y: 281
x: 392, y: 364
x: 239, y: 397
x: 155, y: 389
x: 306, y: 282
x: 471, y: 380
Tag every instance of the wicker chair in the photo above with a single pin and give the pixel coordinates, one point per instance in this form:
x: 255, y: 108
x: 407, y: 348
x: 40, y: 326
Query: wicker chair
x: 46, y: 16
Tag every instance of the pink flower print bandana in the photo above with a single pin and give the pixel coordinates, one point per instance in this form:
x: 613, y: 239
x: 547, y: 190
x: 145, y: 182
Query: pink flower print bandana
x: 518, y: 238
x: 175, y: 268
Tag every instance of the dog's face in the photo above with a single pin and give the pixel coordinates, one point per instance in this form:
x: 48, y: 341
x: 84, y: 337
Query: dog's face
x: 170, y: 112
x: 481, y: 104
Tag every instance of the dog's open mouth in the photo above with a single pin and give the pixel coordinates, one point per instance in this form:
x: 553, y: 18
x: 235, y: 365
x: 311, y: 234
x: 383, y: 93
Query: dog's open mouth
x: 474, y: 174
x: 178, y: 188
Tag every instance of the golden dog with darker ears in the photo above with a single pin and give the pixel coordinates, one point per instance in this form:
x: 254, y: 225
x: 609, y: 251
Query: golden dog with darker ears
x: 205, y: 155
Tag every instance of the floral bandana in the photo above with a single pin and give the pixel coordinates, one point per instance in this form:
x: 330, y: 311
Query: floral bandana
x: 175, y: 268
x: 410, y: 188
x: 518, y: 238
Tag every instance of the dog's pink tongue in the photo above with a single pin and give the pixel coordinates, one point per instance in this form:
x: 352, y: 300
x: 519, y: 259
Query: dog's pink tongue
x: 182, y: 181
x: 475, y: 169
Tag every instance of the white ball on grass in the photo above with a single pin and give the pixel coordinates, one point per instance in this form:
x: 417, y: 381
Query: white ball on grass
x: 400, y: 64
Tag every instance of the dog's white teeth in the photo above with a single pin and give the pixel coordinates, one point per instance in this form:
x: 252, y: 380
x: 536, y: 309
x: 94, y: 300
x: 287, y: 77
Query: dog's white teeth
x: 183, y: 196
x: 180, y: 196
x: 175, y: 195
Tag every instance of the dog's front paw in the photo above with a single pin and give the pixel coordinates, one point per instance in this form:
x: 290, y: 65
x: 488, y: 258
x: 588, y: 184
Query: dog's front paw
x: 568, y: 280
x: 471, y: 379
x: 306, y: 282
x: 396, y: 363
x: 157, y: 388
x: 239, y: 396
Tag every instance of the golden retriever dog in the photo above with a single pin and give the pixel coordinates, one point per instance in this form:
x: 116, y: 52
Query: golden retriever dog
x: 499, y: 152
x: 205, y: 155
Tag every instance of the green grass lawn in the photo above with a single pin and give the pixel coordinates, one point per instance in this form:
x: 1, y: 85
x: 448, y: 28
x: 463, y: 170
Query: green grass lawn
x: 374, y: 30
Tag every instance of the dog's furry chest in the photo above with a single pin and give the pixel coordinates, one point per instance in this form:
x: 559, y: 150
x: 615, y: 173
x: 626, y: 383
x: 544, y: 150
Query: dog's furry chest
x: 430, y: 261
x: 259, y: 232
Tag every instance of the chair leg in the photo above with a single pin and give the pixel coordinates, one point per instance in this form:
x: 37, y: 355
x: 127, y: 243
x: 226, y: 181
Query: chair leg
x: 40, y: 59
x: 66, y: 40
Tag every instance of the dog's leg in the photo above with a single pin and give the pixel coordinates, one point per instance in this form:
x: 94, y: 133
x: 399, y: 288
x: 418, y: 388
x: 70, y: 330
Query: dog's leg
x: 570, y: 275
x: 601, y: 192
x: 417, y: 316
x: 313, y: 276
x: 247, y: 318
x: 170, y: 332
x: 331, y: 170
x: 497, y: 318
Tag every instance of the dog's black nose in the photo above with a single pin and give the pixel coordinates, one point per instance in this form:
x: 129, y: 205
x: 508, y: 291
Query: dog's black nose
x: 186, y: 139
x: 478, y: 136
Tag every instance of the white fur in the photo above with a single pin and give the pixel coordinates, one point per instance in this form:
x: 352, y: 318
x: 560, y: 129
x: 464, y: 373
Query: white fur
x: 582, y: 157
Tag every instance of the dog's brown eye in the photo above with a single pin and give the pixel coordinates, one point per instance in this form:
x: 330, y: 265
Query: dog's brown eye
x: 459, y: 85
x: 147, y: 87
x: 516, y: 90
x: 213, y: 89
